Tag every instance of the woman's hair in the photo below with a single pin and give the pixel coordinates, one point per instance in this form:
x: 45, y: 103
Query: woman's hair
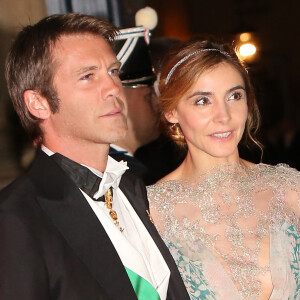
x: 181, y: 69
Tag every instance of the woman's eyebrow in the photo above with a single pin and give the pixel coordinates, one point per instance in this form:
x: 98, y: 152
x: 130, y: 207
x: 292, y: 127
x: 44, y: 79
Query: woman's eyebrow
x: 200, y: 93
x: 237, y: 87
x: 206, y: 93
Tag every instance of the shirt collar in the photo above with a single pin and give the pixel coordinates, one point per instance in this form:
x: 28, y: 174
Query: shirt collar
x: 111, y: 176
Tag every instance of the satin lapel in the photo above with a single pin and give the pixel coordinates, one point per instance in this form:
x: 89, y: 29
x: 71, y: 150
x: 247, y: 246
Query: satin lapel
x: 138, y: 199
x: 137, y: 196
x: 76, y: 221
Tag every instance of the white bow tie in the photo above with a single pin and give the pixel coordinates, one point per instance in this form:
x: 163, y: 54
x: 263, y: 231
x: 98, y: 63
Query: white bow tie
x: 112, y: 176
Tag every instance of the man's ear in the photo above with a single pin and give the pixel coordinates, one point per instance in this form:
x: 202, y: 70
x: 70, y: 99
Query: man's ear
x: 171, y: 116
x: 37, y: 105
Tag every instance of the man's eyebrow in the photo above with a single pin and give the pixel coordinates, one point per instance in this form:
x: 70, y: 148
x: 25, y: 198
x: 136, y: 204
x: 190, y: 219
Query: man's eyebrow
x: 115, y: 64
x: 86, y: 69
x: 93, y: 68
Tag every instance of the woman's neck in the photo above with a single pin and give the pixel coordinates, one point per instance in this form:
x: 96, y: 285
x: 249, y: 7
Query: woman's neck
x: 196, y: 163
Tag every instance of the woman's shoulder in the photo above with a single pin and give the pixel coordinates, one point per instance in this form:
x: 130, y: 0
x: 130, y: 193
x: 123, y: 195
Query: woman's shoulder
x: 278, y: 167
x: 285, y: 182
x: 278, y: 174
x: 169, y: 188
x: 164, y: 187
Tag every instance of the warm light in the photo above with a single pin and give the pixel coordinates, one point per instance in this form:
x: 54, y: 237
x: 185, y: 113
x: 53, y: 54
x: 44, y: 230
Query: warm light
x: 247, y: 50
x: 245, y: 37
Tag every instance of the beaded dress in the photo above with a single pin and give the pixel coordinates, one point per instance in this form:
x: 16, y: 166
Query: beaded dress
x: 233, y: 229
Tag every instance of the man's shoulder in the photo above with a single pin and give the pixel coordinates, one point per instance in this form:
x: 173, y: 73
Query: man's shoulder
x: 16, y: 194
x: 23, y: 188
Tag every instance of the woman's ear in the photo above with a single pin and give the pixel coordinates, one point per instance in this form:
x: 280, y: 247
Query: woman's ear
x: 36, y: 104
x: 171, y: 116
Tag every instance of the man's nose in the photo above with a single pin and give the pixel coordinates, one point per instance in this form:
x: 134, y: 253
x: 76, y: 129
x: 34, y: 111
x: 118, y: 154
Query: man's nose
x: 111, y: 87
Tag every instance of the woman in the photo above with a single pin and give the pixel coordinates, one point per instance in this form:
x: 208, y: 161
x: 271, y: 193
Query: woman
x: 232, y: 226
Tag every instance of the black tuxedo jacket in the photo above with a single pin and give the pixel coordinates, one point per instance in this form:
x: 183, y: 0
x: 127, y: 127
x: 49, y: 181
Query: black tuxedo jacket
x: 52, y: 246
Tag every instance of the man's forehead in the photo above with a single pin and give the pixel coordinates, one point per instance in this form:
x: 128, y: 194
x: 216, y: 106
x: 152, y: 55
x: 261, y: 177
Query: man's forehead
x: 66, y: 39
x: 83, y: 46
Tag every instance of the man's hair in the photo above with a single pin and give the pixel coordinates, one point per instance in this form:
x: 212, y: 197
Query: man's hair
x: 30, y: 65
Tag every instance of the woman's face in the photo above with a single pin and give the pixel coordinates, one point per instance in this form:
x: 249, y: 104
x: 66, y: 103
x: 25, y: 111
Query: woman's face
x: 213, y: 113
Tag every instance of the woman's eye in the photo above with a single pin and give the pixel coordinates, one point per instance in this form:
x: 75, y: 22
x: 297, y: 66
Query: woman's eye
x: 236, y: 96
x: 202, y: 101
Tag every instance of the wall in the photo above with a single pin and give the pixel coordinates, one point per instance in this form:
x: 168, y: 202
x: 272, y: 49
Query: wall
x: 14, y: 14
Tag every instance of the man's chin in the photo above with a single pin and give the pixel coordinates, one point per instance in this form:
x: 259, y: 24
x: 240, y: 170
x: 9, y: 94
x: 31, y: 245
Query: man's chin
x: 120, y: 136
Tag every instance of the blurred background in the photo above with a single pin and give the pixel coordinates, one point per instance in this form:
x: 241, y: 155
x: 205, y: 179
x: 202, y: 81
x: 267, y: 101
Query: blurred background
x: 269, y: 29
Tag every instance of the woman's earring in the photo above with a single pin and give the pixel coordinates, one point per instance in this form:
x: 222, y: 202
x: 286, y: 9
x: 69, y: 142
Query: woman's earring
x: 176, y: 133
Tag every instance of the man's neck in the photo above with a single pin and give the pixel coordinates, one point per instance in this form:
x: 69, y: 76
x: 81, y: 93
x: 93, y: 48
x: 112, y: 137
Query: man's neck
x: 130, y: 143
x: 95, y: 157
x: 131, y: 149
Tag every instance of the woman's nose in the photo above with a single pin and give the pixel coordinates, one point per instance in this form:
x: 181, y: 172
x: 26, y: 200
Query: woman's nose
x: 222, y: 112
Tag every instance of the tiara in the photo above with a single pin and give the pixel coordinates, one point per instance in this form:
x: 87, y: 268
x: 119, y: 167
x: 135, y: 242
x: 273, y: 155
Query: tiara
x: 188, y: 56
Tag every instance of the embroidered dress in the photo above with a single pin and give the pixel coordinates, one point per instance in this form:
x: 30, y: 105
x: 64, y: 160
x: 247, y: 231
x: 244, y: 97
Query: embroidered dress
x: 234, y: 232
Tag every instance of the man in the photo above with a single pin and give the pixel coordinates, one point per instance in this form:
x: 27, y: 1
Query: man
x: 150, y: 154
x: 64, y: 233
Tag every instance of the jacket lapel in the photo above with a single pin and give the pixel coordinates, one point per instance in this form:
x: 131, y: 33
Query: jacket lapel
x: 71, y: 214
x: 136, y: 194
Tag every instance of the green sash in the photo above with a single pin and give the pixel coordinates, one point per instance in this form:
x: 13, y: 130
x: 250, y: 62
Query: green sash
x: 143, y: 289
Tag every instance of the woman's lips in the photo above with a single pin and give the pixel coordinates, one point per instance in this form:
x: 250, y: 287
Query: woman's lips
x: 225, y: 135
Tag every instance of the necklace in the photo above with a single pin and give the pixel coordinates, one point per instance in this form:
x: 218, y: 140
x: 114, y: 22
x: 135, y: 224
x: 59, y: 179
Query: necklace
x: 113, y: 214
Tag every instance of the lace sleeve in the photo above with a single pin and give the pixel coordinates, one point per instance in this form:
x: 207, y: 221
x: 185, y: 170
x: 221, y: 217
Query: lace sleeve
x: 156, y: 198
x: 286, y: 182
x: 290, y: 179
x: 292, y: 199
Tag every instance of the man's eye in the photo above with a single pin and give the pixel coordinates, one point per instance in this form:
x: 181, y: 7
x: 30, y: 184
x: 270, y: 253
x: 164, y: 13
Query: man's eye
x: 114, y: 72
x: 87, y: 76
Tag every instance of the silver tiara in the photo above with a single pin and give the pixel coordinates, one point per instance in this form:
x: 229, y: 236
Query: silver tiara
x: 188, y: 56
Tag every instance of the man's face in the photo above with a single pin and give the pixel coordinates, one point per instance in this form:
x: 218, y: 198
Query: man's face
x: 143, y: 113
x: 92, y: 107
